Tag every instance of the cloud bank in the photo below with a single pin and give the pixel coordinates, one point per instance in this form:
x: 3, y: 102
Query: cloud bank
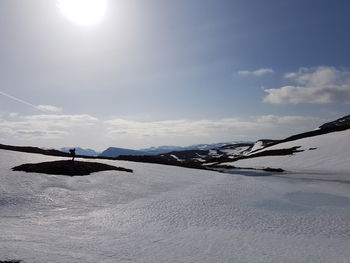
x: 319, y: 85
x: 256, y: 73
x: 58, y: 130
x: 44, y: 126
x: 49, y: 108
x: 204, y: 128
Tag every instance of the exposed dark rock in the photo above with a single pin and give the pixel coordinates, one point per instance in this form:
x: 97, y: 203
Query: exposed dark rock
x: 235, y: 145
x: 69, y: 168
x: 187, y: 155
x: 344, y: 121
x: 281, y: 152
x: 324, y: 130
x: 269, y: 169
x: 29, y: 149
x: 265, y: 143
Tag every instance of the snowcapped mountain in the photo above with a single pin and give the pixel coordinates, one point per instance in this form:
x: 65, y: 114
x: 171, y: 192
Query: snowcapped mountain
x: 161, y: 149
x: 115, y: 152
x: 201, y: 147
x: 208, y: 153
x: 80, y: 151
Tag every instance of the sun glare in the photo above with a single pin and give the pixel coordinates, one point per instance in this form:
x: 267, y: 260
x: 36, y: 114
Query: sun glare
x: 83, y: 12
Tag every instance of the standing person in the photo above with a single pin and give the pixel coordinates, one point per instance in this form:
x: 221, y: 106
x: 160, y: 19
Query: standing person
x: 72, y: 153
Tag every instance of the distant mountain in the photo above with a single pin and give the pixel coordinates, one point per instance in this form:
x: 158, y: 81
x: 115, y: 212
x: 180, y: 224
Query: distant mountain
x: 214, y: 154
x: 209, y: 152
x: 115, y: 152
x: 80, y: 151
x: 203, y: 153
x: 332, y: 138
x: 200, y: 147
x: 344, y: 121
x: 161, y: 149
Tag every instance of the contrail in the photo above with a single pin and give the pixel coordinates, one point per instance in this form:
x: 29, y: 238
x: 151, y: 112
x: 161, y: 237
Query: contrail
x: 21, y: 101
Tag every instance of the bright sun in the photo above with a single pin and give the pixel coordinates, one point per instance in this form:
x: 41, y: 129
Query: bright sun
x: 83, y: 12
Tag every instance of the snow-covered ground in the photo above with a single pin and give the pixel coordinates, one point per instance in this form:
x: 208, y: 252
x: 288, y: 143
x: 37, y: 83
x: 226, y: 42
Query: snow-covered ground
x: 169, y: 214
x: 324, y: 154
x: 258, y: 145
x: 235, y: 151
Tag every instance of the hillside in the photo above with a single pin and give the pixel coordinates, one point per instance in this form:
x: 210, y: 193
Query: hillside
x: 322, y: 153
x: 344, y: 121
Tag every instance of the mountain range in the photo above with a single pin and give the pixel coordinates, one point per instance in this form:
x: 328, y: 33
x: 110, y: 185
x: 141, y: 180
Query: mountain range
x: 225, y: 155
x: 228, y: 154
x: 115, y: 151
x: 199, y: 152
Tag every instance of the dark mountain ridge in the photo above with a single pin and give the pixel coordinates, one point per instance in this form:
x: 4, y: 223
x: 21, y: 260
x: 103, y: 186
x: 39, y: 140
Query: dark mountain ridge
x: 344, y: 121
x: 115, y: 152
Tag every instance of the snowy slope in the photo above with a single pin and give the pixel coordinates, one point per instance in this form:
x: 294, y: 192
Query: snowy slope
x: 168, y: 214
x: 323, y: 153
x: 258, y: 145
x: 235, y: 151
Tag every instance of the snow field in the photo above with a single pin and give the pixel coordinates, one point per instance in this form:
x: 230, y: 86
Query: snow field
x: 323, y: 154
x: 169, y: 214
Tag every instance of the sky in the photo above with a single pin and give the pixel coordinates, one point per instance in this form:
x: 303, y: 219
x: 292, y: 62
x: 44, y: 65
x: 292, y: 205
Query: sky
x: 161, y: 72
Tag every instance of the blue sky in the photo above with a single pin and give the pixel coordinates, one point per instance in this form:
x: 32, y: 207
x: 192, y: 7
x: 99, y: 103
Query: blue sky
x: 171, y: 72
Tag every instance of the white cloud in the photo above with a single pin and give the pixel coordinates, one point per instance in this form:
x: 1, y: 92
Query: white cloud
x: 61, y: 119
x: 45, y: 126
x: 13, y: 114
x: 313, y: 85
x: 183, y: 128
x: 49, y: 108
x: 257, y: 73
x: 286, y: 120
x: 46, y: 134
x: 177, y: 128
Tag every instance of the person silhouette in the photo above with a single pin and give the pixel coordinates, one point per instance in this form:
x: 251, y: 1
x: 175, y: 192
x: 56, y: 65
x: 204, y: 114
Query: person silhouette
x: 72, y: 153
